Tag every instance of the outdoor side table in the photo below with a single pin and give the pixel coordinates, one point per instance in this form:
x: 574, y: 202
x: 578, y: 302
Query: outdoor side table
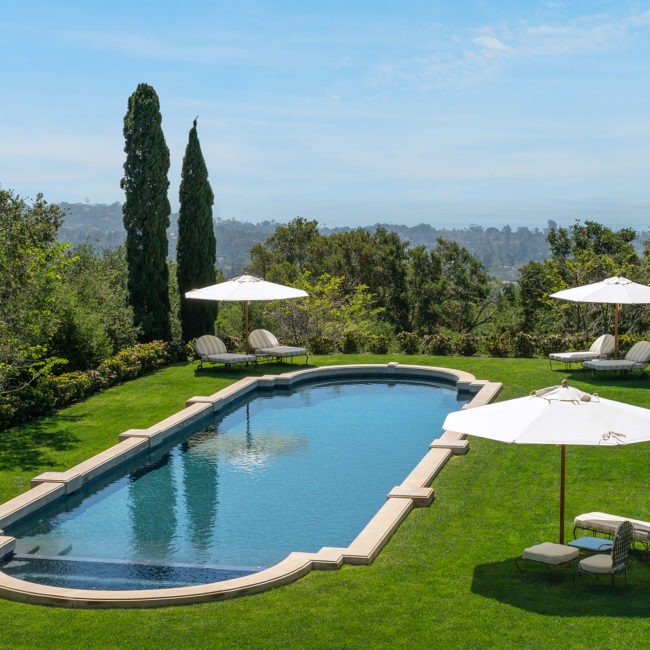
x: 592, y: 543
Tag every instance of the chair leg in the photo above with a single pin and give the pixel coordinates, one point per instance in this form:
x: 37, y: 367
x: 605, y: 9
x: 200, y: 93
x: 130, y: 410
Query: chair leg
x: 517, y: 564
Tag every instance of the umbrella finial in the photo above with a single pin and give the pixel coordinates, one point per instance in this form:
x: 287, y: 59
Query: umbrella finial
x: 564, y: 383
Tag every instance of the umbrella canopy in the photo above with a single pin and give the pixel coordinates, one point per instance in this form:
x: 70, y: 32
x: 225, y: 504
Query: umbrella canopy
x: 616, y: 290
x: 560, y: 415
x: 245, y: 288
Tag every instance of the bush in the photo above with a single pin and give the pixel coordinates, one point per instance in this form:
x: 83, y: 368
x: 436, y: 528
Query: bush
x: 233, y: 343
x: 409, y: 342
x: 51, y: 391
x: 350, y: 343
x: 466, y: 345
x: 438, y: 344
x: 320, y: 344
x: 378, y: 343
x: 553, y: 343
x: 523, y: 345
x: 498, y: 344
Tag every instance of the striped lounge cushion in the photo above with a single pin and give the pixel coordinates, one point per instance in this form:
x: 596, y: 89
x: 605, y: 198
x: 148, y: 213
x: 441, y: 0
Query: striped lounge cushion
x: 603, y: 344
x: 260, y: 339
x: 207, y: 345
x: 639, y: 352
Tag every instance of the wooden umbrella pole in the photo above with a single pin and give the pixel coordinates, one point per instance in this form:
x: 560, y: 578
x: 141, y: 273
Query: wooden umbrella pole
x: 562, y: 470
x: 246, y: 323
x: 616, y: 332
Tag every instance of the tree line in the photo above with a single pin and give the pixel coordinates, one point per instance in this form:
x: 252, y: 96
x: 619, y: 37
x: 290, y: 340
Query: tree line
x: 68, y: 308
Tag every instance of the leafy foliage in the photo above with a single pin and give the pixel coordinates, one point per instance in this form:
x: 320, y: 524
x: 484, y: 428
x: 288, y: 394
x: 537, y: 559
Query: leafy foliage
x: 328, y: 313
x: 582, y: 254
x: 50, y: 391
x: 146, y: 213
x: 197, y: 247
x: 95, y: 319
x: 31, y: 261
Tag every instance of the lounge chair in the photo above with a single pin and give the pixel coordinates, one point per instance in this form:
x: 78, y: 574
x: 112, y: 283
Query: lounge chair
x: 212, y: 349
x: 637, y: 358
x: 601, y: 522
x: 601, y: 348
x: 263, y: 343
x: 614, y: 562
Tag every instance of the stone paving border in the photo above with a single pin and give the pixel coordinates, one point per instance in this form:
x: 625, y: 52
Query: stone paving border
x: 413, y: 492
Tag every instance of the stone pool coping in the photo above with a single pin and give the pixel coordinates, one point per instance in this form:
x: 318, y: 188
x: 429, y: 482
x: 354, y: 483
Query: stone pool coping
x: 414, y: 491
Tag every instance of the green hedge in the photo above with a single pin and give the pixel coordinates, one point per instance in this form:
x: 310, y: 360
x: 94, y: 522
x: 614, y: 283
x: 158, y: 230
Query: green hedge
x: 50, y: 392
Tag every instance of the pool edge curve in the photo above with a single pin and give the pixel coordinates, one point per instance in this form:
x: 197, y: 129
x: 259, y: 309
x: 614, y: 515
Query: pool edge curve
x: 414, y: 491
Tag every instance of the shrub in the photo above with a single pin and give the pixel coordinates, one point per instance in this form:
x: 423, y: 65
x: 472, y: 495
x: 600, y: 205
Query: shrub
x: 438, y: 344
x: 498, y: 344
x: 233, y: 343
x: 625, y: 342
x: 524, y: 344
x: 466, y: 345
x: 409, y: 342
x: 350, y: 343
x: 553, y: 343
x: 378, y: 343
x: 49, y: 391
x: 320, y: 344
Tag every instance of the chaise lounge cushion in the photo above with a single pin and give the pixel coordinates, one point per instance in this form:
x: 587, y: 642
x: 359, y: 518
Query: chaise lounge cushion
x: 266, y: 343
x: 210, y: 348
x: 600, y: 348
x: 606, y: 523
x: 637, y: 358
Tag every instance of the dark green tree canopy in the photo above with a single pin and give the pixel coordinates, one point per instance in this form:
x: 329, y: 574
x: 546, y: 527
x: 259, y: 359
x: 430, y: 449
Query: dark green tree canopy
x: 146, y: 213
x: 31, y: 261
x: 197, y: 247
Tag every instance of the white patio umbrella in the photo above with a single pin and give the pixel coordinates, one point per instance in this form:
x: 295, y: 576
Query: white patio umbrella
x: 559, y: 415
x: 616, y: 290
x: 245, y: 288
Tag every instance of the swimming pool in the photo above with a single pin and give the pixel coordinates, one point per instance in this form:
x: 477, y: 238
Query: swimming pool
x: 260, y: 475
x: 280, y: 472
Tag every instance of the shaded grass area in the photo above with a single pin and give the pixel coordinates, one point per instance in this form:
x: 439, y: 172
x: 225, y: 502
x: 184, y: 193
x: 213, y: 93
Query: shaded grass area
x: 447, y: 577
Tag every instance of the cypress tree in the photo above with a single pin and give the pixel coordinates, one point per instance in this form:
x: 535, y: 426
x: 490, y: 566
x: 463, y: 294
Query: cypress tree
x: 146, y: 213
x: 196, y: 253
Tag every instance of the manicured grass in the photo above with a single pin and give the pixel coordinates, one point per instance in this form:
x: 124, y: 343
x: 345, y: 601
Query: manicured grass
x: 445, y: 579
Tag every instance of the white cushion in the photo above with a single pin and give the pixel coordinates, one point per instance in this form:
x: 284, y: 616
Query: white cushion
x: 600, y: 563
x: 575, y: 357
x: 612, y: 364
x: 606, y: 523
x: 551, y: 553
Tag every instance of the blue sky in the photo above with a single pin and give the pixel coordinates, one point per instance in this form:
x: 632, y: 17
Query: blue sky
x: 347, y: 112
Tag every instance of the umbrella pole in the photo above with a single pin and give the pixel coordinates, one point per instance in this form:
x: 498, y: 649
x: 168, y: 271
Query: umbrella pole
x: 246, y: 322
x: 562, y: 470
x: 616, y: 332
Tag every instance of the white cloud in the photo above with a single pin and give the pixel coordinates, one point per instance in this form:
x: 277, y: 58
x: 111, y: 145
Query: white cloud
x: 479, y: 51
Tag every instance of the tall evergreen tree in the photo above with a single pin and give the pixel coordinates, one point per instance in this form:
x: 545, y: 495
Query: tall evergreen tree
x: 146, y: 213
x: 196, y: 252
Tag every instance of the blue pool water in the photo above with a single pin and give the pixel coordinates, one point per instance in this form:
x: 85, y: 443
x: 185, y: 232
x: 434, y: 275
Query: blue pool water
x: 285, y: 471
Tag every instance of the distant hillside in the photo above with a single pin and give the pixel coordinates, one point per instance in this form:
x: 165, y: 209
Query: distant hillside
x: 502, y: 250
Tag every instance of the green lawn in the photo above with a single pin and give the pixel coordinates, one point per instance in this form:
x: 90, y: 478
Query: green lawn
x: 446, y: 578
